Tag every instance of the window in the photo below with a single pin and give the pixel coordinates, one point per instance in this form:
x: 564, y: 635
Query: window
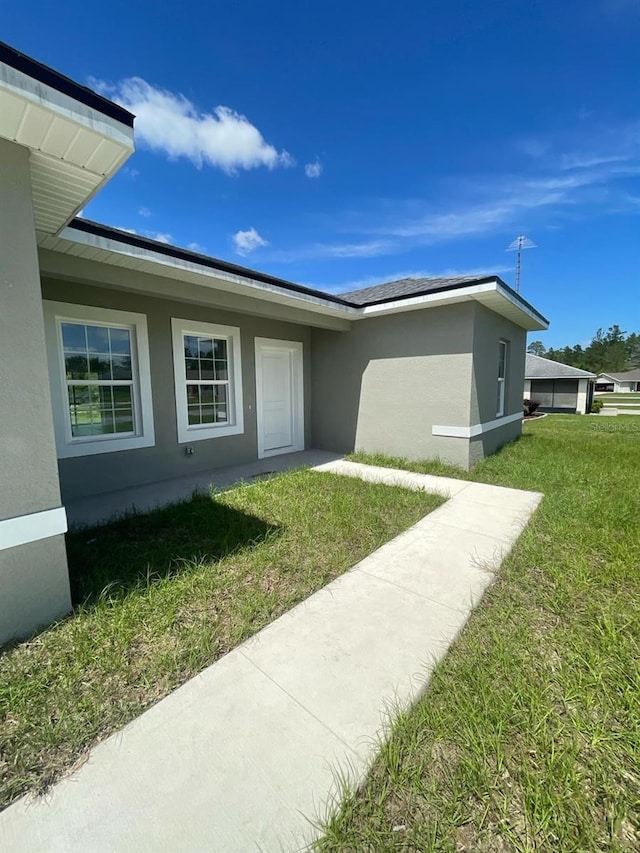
x: 100, y: 379
x: 208, y: 380
x: 502, y: 373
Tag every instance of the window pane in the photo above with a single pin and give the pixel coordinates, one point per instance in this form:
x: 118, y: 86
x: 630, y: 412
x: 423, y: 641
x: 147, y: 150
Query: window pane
x: 221, y: 370
x: 205, y: 346
x: 206, y: 368
x: 193, y: 395
x: 105, y: 396
x: 97, y: 339
x: 220, y: 393
x: 194, y: 414
x: 206, y: 393
x: 190, y: 346
x: 100, y: 366
x: 121, y: 395
x: 502, y: 360
x: 220, y: 349
x: 73, y: 337
x: 76, y: 366
x: 207, y: 415
x: 121, y: 365
x: 120, y: 341
x: 191, y: 366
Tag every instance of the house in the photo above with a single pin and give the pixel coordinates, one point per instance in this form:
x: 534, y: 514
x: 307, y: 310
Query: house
x: 125, y: 361
x: 557, y: 387
x: 629, y: 381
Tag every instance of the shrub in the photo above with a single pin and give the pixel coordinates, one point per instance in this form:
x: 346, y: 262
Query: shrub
x: 529, y: 407
x: 596, y: 406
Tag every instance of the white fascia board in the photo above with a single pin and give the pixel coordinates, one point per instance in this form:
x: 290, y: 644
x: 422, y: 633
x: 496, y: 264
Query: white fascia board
x: 47, y: 98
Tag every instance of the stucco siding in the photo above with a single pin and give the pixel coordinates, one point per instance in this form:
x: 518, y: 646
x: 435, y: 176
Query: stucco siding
x: 34, y: 586
x: 29, y: 472
x: 88, y: 475
x: 382, y: 386
x: 489, y: 442
x: 34, y: 581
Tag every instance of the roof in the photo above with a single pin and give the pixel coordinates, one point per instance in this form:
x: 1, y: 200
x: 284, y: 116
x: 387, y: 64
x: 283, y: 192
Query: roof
x: 406, y: 288
x: 109, y: 244
x: 628, y: 376
x: 89, y: 227
x: 537, y: 367
x: 21, y: 62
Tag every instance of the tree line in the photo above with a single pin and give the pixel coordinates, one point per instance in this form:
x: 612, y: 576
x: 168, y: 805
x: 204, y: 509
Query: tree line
x: 613, y: 351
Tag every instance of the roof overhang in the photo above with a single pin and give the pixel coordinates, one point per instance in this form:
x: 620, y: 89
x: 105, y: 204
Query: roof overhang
x: 156, y: 262
x: 493, y: 294
x: 145, y: 257
x: 77, y: 139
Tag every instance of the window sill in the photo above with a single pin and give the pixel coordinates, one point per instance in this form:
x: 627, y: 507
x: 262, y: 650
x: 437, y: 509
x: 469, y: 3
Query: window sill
x: 91, y: 448
x: 200, y: 434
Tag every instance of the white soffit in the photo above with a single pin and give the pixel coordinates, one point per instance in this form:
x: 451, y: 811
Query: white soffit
x: 74, y: 148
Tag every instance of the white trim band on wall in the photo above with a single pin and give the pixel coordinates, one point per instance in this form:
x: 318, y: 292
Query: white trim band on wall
x: 476, y: 429
x: 30, y: 528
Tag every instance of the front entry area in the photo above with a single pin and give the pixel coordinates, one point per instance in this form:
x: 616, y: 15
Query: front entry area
x: 279, y: 396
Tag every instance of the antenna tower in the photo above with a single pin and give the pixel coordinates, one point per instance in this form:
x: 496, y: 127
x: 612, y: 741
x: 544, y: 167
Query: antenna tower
x: 518, y: 245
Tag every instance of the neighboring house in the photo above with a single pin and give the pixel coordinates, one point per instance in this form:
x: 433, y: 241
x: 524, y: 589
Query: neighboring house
x: 557, y: 387
x: 125, y: 361
x: 619, y: 382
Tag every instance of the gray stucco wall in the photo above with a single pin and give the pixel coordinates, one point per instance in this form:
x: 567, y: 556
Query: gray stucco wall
x: 88, y: 475
x: 34, y: 582
x: 382, y: 386
x: 488, y: 329
x: 29, y: 472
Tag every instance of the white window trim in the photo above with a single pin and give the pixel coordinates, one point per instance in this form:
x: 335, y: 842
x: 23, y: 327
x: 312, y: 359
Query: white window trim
x: 188, y: 433
x: 68, y: 446
x: 502, y: 380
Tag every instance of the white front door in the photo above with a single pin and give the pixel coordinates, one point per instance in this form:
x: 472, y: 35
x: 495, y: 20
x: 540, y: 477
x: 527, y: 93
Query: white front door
x: 279, y: 396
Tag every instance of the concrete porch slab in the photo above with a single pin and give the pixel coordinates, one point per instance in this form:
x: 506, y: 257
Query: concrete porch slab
x: 242, y: 757
x: 101, y: 508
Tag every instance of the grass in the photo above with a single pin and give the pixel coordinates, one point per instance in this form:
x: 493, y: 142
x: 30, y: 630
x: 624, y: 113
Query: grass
x: 161, y: 596
x: 528, y: 736
x: 630, y: 396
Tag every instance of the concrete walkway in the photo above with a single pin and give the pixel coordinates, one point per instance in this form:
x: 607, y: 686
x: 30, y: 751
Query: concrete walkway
x: 243, y: 756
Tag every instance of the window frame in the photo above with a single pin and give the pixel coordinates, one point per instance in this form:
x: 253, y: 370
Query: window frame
x: 502, y: 380
x: 187, y: 432
x: 68, y: 445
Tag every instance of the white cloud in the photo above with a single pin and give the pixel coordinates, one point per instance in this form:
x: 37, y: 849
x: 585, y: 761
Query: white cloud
x: 248, y: 241
x: 313, y: 170
x: 144, y: 211
x: 196, y: 247
x: 170, y: 123
x: 159, y: 236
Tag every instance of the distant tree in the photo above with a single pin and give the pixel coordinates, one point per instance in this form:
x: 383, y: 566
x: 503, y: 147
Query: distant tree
x: 613, y: 351
x: 536, y: 348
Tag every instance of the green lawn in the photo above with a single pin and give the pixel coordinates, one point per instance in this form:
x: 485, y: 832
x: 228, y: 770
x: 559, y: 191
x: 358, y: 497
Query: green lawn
x: 528, y: 737
x: 161, y: 596
x: 622, y: 396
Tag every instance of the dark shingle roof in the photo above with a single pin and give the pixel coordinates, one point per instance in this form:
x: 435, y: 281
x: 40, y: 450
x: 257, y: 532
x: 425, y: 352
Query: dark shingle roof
x: 405, y: 287
x: 543, y: 368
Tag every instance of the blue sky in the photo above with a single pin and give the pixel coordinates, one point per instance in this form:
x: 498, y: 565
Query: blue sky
x: 342, y: 144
